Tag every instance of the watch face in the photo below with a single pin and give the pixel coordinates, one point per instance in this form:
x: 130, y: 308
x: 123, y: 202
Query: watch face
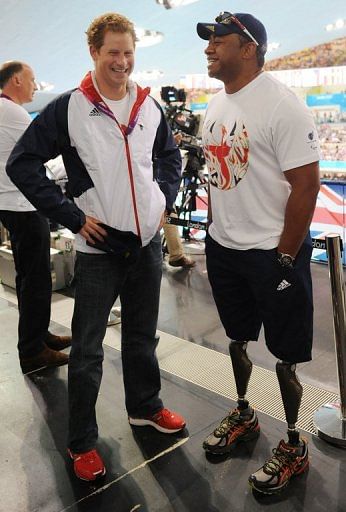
x: 285, y: 260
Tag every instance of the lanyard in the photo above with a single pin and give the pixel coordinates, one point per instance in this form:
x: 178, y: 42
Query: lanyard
x: 2, y: 95
x: 88, y: 89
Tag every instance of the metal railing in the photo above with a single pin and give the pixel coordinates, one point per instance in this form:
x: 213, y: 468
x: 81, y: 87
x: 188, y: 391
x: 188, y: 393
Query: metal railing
x: 330, y: 419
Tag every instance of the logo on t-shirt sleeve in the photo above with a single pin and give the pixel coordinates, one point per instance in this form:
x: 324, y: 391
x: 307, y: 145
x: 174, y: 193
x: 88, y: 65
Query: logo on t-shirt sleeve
x: 312, y: 140
x: 226, y: 153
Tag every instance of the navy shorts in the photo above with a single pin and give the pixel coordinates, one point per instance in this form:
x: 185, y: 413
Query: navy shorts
x: 251, y: 288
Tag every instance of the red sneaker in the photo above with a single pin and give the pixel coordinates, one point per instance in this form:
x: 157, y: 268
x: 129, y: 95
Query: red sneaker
x: 164, y: 421
x: 88, y: 465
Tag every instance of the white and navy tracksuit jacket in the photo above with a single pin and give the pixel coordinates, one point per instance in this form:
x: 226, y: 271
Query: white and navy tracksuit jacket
x: 109, y: 167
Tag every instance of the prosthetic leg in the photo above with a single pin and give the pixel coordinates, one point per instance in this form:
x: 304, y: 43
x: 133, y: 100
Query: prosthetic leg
x: 242, y: 368
x: 241, y: 424
x: 289, y: 459
x: 291, y: 393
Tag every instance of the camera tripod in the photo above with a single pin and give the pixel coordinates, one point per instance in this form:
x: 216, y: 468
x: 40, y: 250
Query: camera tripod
x: 191, y: 183
x: 185, y: 206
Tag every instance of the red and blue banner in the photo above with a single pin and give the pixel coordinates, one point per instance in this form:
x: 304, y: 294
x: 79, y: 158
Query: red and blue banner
x: 330, y: 216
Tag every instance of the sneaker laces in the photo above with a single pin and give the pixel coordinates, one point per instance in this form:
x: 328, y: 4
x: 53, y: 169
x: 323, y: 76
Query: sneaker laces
x: 280, y: 459
x: 89, y: 457
x: 164, y: 413
x: 227, y: 424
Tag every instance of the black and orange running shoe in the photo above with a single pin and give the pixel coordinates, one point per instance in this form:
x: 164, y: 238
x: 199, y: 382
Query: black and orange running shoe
x: 234, y: 428
x: 275, y: 474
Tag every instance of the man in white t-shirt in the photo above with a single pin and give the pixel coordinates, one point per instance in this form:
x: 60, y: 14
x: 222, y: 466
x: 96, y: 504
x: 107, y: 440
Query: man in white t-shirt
x: 262, y: 153
x: 29, y: 231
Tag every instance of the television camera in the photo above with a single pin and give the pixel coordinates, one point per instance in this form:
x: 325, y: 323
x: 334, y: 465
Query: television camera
x: 178, y: 116
x: 186, y: 123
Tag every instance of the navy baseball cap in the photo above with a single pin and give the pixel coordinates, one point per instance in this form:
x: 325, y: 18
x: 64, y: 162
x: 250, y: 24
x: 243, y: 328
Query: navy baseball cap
x: 240, y: 23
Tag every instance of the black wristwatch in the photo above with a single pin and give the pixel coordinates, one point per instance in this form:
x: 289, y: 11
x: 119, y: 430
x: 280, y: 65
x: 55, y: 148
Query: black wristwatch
x: 285, y: 260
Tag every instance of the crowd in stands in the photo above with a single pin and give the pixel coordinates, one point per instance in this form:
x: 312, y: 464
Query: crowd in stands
x: 321, y: 56
x: 331, y: 122
x: 329, y: 115
x: 333, y: 141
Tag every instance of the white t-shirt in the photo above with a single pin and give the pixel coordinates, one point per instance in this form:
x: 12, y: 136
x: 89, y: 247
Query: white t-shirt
x: 120, y: 108
x: 250, y: 138
x: 14, y: 120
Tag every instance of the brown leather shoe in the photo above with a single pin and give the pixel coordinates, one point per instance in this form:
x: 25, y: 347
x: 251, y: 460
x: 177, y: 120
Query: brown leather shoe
x: 45, y: 359
x: 184, y: 261
x: 58, y: 342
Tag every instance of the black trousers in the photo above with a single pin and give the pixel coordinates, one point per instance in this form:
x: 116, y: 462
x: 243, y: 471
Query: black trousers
x: 30, y: 240
x: 251, y: 288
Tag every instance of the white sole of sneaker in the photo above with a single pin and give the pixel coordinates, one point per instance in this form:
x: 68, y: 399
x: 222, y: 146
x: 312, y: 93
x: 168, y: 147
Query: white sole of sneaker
x: 142, y: 422
x: 97, y: 476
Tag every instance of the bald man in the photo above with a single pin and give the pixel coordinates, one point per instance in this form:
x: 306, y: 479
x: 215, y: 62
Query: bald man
x: 29, y: 231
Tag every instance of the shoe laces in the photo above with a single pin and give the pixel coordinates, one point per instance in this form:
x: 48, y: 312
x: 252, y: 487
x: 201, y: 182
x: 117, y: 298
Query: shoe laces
x: 164, y: 413
x: 280, y: 459
x: 88, y: 457
x: 227, y: 424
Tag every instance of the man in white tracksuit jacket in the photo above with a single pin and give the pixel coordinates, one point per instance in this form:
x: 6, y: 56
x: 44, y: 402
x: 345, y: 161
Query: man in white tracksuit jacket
x: 108, y: 131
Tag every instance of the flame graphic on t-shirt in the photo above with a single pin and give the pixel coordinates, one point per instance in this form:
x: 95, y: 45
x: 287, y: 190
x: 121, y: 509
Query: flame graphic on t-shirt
x: 227, y: 160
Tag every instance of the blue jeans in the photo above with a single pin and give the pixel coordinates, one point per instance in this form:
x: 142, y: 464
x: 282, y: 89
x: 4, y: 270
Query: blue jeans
x: 100, y: 279
x: 30, y: 242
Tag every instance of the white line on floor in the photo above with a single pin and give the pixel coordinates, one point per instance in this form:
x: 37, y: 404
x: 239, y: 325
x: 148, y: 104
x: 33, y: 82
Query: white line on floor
x: 141, y: 466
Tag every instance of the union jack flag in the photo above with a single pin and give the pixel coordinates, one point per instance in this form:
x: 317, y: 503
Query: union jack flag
x: 329, y: 217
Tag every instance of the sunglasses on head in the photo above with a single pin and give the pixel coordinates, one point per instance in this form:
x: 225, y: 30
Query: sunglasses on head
x: 226, y: 18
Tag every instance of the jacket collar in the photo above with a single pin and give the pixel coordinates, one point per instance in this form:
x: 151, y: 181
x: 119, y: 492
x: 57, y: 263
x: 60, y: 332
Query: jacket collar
x: 89, y: 88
